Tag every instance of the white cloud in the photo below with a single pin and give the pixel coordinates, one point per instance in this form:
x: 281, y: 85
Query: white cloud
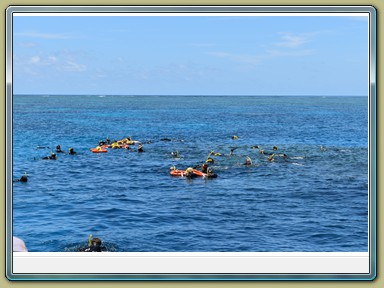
x: 34, y: 60
x: 52, y: 59
x: 44, y: 35
x: 71, y: 66
x: 293, y: 41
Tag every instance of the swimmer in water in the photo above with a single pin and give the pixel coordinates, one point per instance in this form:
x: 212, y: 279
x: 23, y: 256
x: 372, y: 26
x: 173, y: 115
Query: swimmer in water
x: 210, y: 160
x: 71, y: 151
x: 248, y: 161
x: 232, y: 151
x: 58, y: 149
x: 189, y: 173
x: 94, y: 245
x: 23, y: 178
x: 140, y: 148
x: 261, y: 151
x: 175, y: 154
x: 204, y: 168
x: 274, y: 148
x: 270, y: 158
x: 234, y: 137
x: 284, y: 156
x: 210, y: 173
x: 52, y: 157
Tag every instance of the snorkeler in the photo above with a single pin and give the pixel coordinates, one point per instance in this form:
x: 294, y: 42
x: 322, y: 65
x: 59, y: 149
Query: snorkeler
x: 94, y: 245
x: 210, y: 173
x: 232, y: 150
x: 175, y: 154
x: 204, y: 168
x: 210, y: 160
x: 23, y: 178
x: 71, y: 151
x: 140, y: 148
x: 248, y: 161
x: 189, y: 173
x: 52, y: 157
x: 58, y: 149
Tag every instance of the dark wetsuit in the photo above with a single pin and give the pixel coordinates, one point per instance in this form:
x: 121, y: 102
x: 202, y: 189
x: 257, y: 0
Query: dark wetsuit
x: 23, y: 178
x: 93, y: 249
x: 50, y: 158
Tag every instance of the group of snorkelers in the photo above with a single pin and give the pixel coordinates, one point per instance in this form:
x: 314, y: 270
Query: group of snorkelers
x: 271, y: 156
x: 53, y: 155
x: 208, y: 171
x: 124, y: 143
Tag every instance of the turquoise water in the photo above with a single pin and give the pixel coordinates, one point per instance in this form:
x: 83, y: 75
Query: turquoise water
x: 315, y: 200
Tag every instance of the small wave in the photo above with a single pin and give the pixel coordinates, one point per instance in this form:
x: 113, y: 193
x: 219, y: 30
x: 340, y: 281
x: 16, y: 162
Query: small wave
x: 297, y: 157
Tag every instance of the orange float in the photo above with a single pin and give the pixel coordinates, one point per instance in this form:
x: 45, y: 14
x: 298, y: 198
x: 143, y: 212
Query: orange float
x: 182, y: 173
x: 95, y: 150
x: 179, y: 173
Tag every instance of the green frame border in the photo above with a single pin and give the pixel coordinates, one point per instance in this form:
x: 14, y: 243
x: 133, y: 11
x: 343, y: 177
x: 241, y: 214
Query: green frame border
x: 373, y: 107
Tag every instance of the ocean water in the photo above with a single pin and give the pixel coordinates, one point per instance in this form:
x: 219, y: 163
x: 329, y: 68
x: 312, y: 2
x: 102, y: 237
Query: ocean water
x: 316, y: 200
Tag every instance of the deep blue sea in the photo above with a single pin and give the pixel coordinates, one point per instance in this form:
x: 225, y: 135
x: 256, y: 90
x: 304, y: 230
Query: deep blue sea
x: 316, y: 200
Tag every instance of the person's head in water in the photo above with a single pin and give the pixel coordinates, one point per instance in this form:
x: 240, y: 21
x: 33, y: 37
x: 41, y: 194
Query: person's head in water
x: 210, y: 173
x: 94, y: 245
x: 140, y: 148
x: 71, y: 151
x: 96, y: 242
x: 189, y: 172
x: 204, y: 168
x: 175, y: 154
x: 58, y: 148
x: 248, y: 161
x: 210, y: 160
x: 274, y: 148
x: 24, y: 178
x: 53, y: 156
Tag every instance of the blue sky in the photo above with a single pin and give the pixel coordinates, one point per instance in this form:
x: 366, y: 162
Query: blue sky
x: 202, y: 55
